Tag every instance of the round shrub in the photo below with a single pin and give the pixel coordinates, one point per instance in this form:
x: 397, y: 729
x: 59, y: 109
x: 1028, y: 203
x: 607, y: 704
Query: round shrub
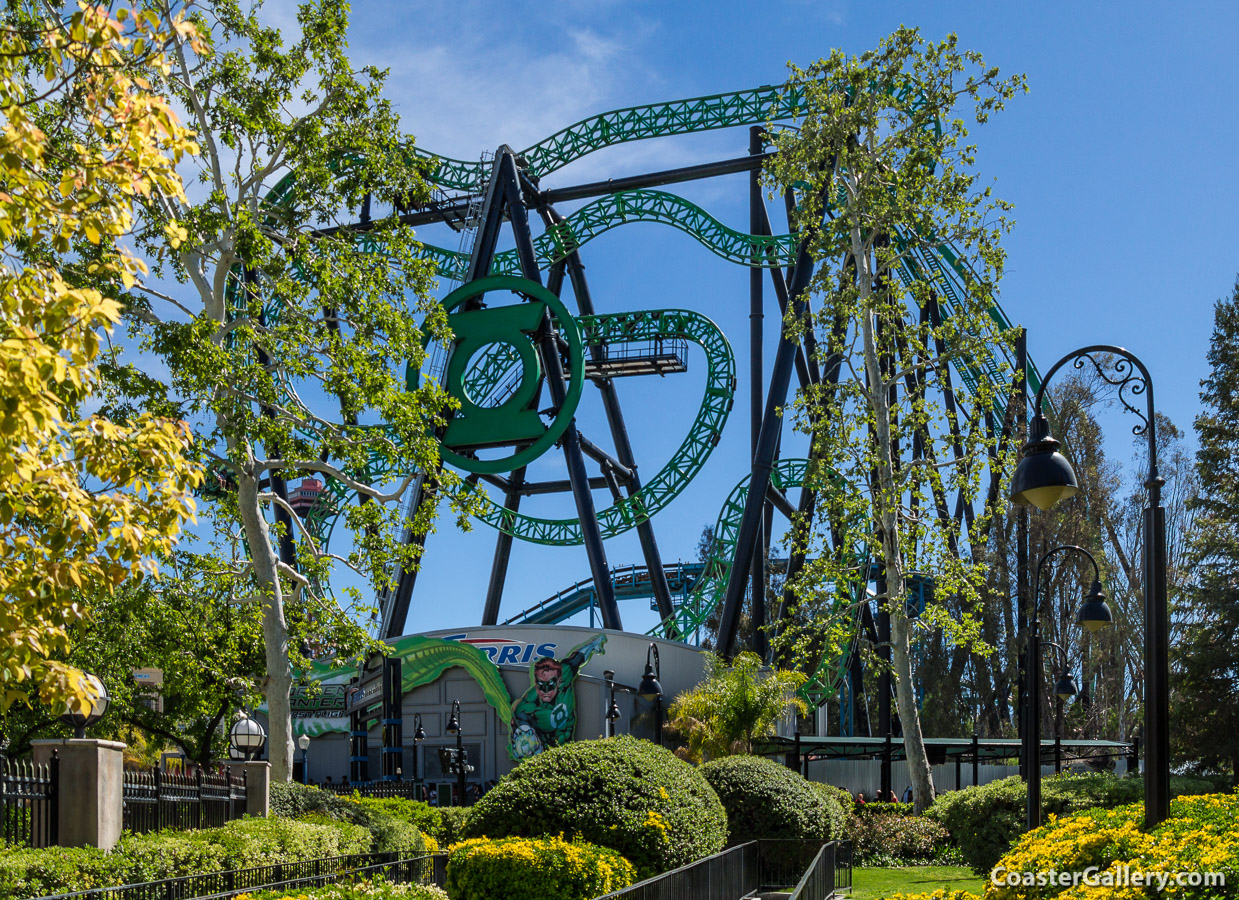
x: 534, y: 869
x: 1198, y: 838
x: 892, y: 838
x: 838, y: 802
x: 766, y: 800
x: 623, y: 793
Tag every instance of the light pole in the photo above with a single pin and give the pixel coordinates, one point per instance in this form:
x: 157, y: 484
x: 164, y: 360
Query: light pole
x: 94, y: 705
x: 247, y: 736
x: 650, y: 689
x: 304, y: 743
x: 1064, y: 689
x: 613, y: 710
x: 419, y: 735
x: 1093, y: 614
x: 1044, y: 476
x: 453, y: 727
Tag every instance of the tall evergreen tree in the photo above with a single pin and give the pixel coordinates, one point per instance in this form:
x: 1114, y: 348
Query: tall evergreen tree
x: 1205, y: 674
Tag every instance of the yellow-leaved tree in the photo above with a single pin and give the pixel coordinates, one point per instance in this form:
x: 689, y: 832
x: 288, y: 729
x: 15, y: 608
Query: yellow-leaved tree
x: 84, y: 502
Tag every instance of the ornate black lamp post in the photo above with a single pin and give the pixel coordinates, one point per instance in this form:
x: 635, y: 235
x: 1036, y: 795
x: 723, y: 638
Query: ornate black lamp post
x: 613, y: 710
x: 453, y: 727
x: 304, y: 743
x: 94, y: 706
x: 1064, y: 689
x: 1093, y: 614
x: 650, y: 689
x: 419, y: 735
x: 1044, y: 476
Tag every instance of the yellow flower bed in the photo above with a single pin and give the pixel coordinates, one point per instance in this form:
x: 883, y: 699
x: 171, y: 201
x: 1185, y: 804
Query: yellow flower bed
x: 534, y: 869
x: 1115, y: 858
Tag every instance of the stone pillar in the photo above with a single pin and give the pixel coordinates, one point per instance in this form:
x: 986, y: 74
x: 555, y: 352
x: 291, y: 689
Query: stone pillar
x: 90, y: 796
x: 257, y: 785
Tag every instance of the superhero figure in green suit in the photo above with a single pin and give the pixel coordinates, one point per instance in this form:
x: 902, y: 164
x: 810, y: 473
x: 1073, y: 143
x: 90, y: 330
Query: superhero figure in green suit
x: 545, y: 715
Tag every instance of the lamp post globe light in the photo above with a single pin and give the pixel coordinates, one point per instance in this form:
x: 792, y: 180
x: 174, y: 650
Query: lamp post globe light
x: 304, y: 743
x: 1044, y: 476
x: 95, y: 704
x: 652, y: 690
x: 1093, y: 614
x: 247, y: 737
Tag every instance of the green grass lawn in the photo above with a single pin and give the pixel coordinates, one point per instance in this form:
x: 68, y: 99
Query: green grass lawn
x: 874, y: 884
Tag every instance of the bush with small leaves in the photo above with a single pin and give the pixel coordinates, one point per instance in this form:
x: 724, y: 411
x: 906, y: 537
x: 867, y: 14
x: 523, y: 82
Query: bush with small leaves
x: 766, y: 800
x: 534, y: 869
x: 630, y: 795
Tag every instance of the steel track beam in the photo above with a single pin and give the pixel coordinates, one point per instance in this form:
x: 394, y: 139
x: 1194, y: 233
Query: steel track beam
x: 503, y: 551
x: 763, y: 459
x: 619, y: 432
x: 553, y: 366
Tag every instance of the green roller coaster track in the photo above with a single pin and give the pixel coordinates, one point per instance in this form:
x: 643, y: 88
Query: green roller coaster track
x: 941, y: 266
x: 703, y: 435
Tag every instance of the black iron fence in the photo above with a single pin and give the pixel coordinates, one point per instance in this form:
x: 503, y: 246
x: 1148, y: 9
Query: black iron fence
x: 28, y: 803
x: 815, y: 869
x: 411, y: 790
x: 159, y: 798
x: 430, y: 868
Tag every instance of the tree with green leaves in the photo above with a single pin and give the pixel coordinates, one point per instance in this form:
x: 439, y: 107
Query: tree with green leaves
x: 86, y: 502
x: 286, y: 330
x: 884, y: 178
x: 735, y: 706
x: 1205, y: 666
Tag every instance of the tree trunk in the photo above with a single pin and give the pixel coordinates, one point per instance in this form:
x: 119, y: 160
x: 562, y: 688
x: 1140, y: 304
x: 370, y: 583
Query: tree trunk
x: 277, y: 684
x: 886, y: 517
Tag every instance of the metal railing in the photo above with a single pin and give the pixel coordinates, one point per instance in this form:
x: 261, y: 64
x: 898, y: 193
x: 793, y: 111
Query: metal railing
x: 29, y: 808
x: 159, y: 799
x: 408, y: 789
x: 426, y: 869
x: 816, y: 869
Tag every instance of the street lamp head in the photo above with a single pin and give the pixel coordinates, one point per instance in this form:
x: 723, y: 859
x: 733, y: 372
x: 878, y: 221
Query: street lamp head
x: 1065, y: 688
x: 247, y: 736
x: 95, y: 702
x: 1043, y: 476
x: 304, y: 742
x: 650, y: 688
x: 453, y: 723
x: 419, y: 733
x: 614, y: 712
x: 1094, y: 612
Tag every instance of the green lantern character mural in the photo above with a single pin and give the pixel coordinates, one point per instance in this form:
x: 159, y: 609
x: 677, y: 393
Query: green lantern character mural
x: 545, y: 715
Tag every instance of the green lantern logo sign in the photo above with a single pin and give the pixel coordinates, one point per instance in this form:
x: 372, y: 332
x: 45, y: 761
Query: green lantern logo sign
x: 495, y: 370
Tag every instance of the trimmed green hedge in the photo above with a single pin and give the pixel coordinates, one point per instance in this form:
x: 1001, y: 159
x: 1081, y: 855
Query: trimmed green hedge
x: 535, y: 869
x: 170, y: 854
x: 766, y: 800
x: 623, y: 793
x: 376, y: 889
x: 984, y: 821
x: 891, y: 837
x: 391, y: 832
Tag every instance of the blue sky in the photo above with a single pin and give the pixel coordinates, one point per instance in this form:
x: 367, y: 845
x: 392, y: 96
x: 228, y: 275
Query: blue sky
x: 1119, y: 162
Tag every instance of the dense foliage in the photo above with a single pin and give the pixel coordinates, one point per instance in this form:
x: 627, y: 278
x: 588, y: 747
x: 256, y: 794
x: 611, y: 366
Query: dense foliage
x: 1199, y: 837
x: 888, y: 834
x: 535, y: 869
x: 733, y: 706
x: 984, y: 821
x: 84, y: 500
x: 630, y: 795
x: 389, y: 832
x: 170, y: 854
x: 766, y: 800
x: 355, y: 890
